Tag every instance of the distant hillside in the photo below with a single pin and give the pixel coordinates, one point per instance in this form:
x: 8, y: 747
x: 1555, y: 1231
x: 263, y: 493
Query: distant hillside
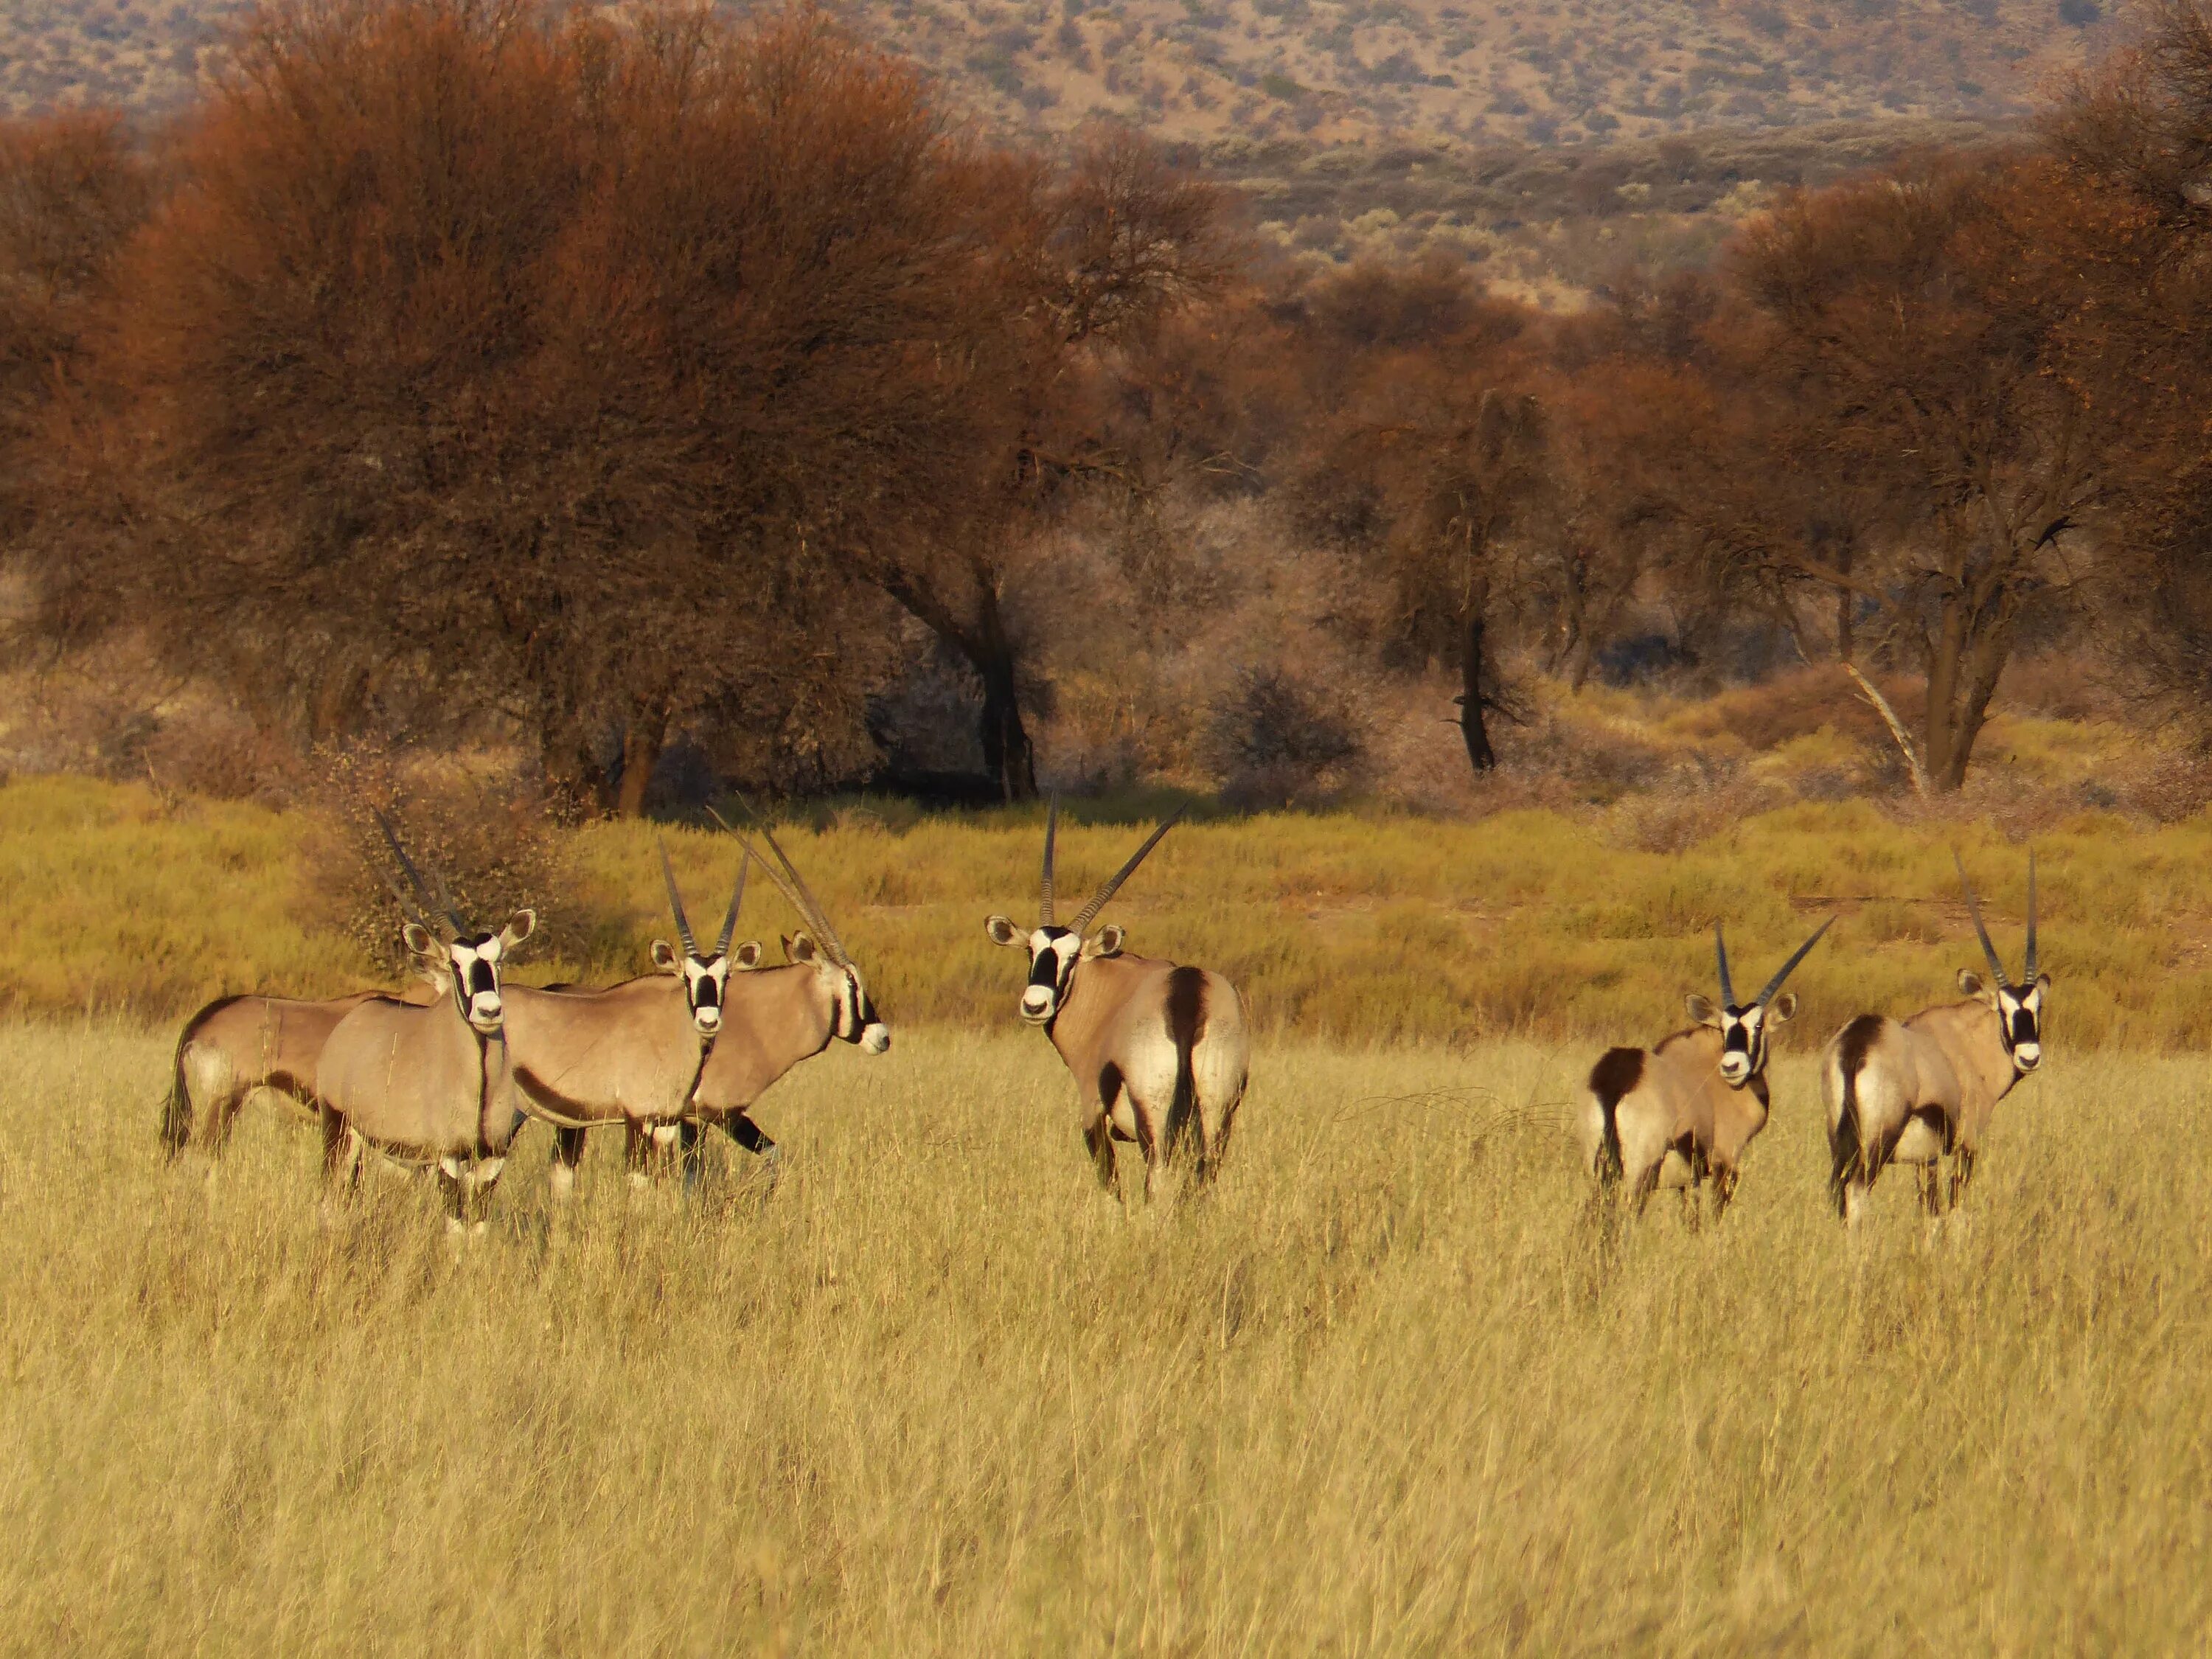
x: 1331, y: 70
x: 1558, y: 140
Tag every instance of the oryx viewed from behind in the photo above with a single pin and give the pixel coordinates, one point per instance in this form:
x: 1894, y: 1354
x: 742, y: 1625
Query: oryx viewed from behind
x: 773, y: 1018
x: 1159, y: 1052
x: 629, y: 1053
x: 1684, y: 1111
x: 1917, y: 1091
x: 433, y: 1083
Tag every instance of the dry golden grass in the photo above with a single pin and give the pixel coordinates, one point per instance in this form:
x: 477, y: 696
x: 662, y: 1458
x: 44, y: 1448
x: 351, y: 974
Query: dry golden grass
x: 1355, y: 926
x: 939, y: 1396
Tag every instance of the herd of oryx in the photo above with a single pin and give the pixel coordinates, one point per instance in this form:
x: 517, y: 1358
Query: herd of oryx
x: 1159, y: 1052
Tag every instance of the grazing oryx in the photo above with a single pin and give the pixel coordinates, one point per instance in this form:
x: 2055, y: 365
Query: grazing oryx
x: 429, y: 1084
x: 627, y: 1054
x: 773, y: 1018
x: 1159, y: 1052
x: 1910, y: 1092
x: 236, y: 1045
x: 1675, y: 1115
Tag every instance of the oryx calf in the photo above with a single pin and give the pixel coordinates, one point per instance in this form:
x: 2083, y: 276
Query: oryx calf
x: 1159, y: 1052
x: 1918, y: 1090
x: 1684, y: 1111
x: 628, y: 1054
x: 429, y: 1084
x: 774, y: 1017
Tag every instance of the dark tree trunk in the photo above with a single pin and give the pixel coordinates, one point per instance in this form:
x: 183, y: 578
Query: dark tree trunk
x: 573, y: 776
x: 1846, y: 601
x: 1007, y: 755
x: 1479, y: 754
x: 642, y: 741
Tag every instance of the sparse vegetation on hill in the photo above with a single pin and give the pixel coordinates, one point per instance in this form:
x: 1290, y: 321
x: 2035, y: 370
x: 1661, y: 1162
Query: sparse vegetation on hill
x: 1331, y: 70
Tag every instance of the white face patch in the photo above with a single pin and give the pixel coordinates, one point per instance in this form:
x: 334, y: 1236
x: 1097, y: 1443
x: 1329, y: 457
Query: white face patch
x: 706, y: 982
x: 1053, y: 955
x: 474, y: 964
x: 1743, y: 1045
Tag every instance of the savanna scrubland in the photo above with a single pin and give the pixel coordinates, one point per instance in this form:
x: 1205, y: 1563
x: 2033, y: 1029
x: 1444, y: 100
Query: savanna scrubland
x: 544, y: 425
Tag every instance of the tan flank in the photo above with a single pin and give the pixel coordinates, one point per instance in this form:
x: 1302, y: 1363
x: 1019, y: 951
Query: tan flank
x: 1685, y: 1112
x: 430, y: 1084
x: 1160, y: 1053
x: 1918, y: 1090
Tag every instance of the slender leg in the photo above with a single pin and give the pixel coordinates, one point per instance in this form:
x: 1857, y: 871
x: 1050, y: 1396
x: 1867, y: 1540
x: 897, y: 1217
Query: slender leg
x: 1931, y: 1188
x: 687, y: 1153
x: 567, y: 1153
x: 1098, y: 1137
x: 1962, y: 1171
x: 637, y: 1153
x: 340, y: 1165
x: 1724, y: 1182
x: 750, y: 1136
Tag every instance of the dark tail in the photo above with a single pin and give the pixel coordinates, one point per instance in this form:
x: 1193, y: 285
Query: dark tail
x: 1850, y: 1156
x: 177, y: 1110
x: 1616, y: 1073
x: 1186, y: 1025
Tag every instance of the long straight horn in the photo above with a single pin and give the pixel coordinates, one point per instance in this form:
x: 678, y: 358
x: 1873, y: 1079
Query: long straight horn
x: 2030, y: 968
x: 425, y: 904
x: 1720, y: 954
x: 1788, y: 967
x: 675, y: 900
x: 1975, y: 911
x: 1051, y: 833
x: 1098, y: 900
x: 736, y: 900
x: 788, y: 882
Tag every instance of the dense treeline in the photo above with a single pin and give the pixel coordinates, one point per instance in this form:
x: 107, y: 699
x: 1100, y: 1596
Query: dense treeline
x: 467, y: 369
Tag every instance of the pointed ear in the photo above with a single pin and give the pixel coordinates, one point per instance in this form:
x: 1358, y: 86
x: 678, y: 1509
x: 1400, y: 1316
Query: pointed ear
x: 1783, y: 1009
x: 1002, y: 931
x: 800, y: 947
x: 2043, y: 984
x: 1971, y: 983
x: 520, y: 927
x: 748, y: 954
x: 418, y: 939
x: 664, y: 956
x: 1106, y: 942
x: 1701, y: 1009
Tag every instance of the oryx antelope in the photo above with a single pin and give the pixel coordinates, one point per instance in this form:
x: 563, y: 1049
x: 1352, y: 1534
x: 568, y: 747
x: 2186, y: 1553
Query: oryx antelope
x: 1685, y: 1111
x: 629, y: 1053
x: 1918, y: 1089
x: 1159, y: 1052
x: 236, y: 1045
x: 773, y: 1018
x: 429, y: 1084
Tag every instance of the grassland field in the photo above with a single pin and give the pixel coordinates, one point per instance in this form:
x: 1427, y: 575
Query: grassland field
x: 1358, y: 926
x: 1381, y: 1392
x: 1384, y: 1390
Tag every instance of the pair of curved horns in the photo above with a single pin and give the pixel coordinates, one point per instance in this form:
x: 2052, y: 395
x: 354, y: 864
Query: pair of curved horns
x: 1728, y: 991
x: 423, y: 907
x: 1982, y: 933
x: 789, y: 882
x: 676, y: 903
x: 1099, y: 899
